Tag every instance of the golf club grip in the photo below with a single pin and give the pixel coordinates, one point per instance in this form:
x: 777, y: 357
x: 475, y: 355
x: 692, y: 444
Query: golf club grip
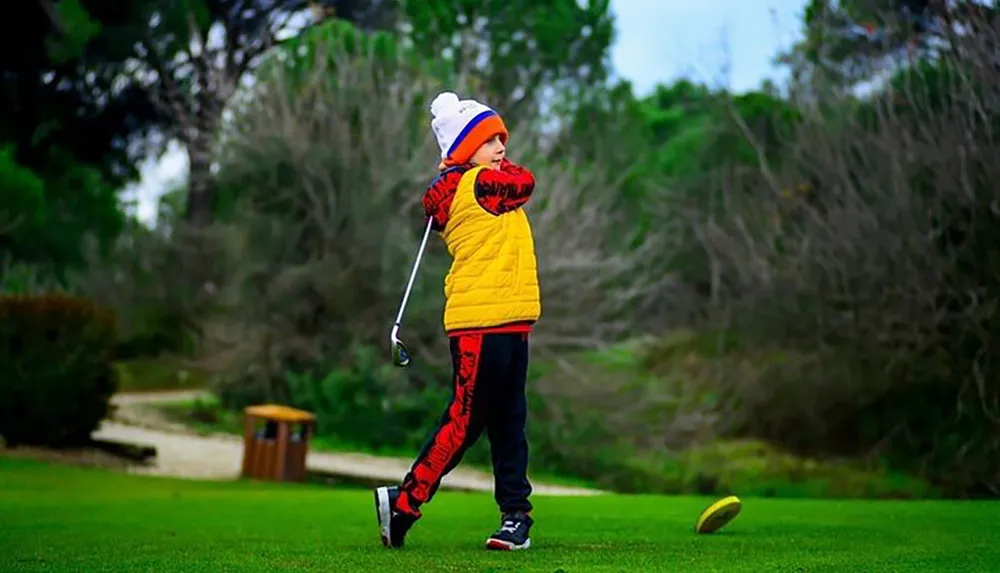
x: 413, y: 272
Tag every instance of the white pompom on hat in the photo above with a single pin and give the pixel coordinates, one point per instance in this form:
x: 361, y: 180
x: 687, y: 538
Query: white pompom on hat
x: 462, y: 126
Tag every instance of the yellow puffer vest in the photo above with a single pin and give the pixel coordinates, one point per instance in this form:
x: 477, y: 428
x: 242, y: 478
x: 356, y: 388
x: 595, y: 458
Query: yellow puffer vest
x: 494, y: 275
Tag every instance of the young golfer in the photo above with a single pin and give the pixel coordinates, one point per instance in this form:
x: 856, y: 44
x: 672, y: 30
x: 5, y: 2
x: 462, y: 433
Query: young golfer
x: 492, y: 301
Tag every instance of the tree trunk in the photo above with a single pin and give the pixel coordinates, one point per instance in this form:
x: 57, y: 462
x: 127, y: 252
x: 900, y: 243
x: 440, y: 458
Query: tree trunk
x: 201, y: 191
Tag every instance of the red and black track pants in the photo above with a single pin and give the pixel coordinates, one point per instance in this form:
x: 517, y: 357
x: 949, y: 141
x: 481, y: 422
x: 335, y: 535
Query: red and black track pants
x: 490, y: 372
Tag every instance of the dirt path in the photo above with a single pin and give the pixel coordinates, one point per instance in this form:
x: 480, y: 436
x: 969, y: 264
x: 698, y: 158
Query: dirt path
x: 181, y: 452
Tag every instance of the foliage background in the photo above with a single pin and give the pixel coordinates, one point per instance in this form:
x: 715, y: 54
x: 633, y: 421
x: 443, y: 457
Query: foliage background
x: 790, y: 291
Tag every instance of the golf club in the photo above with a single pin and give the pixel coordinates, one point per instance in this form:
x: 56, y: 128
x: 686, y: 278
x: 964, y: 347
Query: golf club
x: 400, y: 355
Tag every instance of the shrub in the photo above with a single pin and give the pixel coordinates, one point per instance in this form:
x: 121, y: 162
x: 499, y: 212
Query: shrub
x: 669, y: 415
x: 162, y: 373
x: 148, y: 280
x: 369, y: 403
x: 862, y: 261
x: 754, y: 468
x: 56, y: 368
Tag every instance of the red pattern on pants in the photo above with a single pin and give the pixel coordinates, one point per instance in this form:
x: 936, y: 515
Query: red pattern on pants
x: 450, y: 440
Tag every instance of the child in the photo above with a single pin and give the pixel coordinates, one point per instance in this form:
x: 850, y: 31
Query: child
x: 492, y: 301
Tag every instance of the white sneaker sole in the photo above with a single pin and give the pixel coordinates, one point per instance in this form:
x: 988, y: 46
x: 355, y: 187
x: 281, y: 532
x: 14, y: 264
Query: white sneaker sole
x: 384, y: 510
x: 498, y: 545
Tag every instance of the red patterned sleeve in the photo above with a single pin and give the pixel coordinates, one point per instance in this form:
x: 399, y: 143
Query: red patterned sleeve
x: 504, y: 190
x: 439, y: 195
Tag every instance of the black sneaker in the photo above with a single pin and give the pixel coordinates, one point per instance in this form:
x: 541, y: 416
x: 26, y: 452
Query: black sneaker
x: 513, y: 533
x: 392, y: 524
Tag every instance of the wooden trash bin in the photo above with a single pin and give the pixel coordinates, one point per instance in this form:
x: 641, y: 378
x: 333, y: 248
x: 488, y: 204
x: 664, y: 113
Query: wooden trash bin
x: 275, y: 442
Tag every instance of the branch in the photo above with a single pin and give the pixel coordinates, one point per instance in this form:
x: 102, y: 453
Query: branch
x: 202, y: 67
x: 174, y: 104
x: 261, y: 30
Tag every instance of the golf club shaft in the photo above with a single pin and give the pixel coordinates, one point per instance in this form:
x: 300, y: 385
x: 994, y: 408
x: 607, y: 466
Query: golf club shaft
x: 413, y: 273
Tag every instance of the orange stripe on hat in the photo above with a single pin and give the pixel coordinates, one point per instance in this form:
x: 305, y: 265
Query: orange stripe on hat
x: 478, y: 131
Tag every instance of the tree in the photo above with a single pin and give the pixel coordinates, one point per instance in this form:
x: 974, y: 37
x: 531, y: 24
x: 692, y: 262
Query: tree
x: 367, y: 15
x: 679, y: 132
x: 188, y: 57
x: 853, y: 40
x: 52, y: 211
x: 195, y: 53
x: 65, y: 139
x: 517, y: 50
x: 62, y: 79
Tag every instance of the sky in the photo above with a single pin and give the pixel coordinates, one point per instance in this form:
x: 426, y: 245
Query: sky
x: 729, y: 43
x: 719, y: 42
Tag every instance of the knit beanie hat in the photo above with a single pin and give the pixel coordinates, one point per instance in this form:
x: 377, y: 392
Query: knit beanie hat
x: 461, y: 127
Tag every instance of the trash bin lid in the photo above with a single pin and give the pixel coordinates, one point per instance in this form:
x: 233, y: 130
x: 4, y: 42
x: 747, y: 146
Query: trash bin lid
x: 279, y: 413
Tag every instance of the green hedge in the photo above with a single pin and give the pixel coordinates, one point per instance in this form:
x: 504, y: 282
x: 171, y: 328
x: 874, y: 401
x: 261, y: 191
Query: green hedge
x: 57, y: 374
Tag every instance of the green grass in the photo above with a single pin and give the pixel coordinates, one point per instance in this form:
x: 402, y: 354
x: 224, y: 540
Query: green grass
x: 55, y: 518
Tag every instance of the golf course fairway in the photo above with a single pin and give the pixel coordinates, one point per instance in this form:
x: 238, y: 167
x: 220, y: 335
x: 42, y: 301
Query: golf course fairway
x: 58, y: 518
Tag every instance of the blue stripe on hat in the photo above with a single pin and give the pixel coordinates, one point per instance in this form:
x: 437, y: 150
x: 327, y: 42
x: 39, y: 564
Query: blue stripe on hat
x: 469, y: 127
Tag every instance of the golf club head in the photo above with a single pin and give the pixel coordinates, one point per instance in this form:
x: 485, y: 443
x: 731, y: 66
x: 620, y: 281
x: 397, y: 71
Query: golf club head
x: 400, y: 355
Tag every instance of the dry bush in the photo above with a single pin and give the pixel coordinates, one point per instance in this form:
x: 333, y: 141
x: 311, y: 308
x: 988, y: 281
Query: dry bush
x: 638, y: 405
x: 329, y: 158
x: 324, y: 162
x: 872, y: 246
x: 153, y: 280
x: 594, y: 290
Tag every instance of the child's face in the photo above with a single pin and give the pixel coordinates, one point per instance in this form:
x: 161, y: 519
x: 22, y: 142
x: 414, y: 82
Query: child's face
x: 490, y: 153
